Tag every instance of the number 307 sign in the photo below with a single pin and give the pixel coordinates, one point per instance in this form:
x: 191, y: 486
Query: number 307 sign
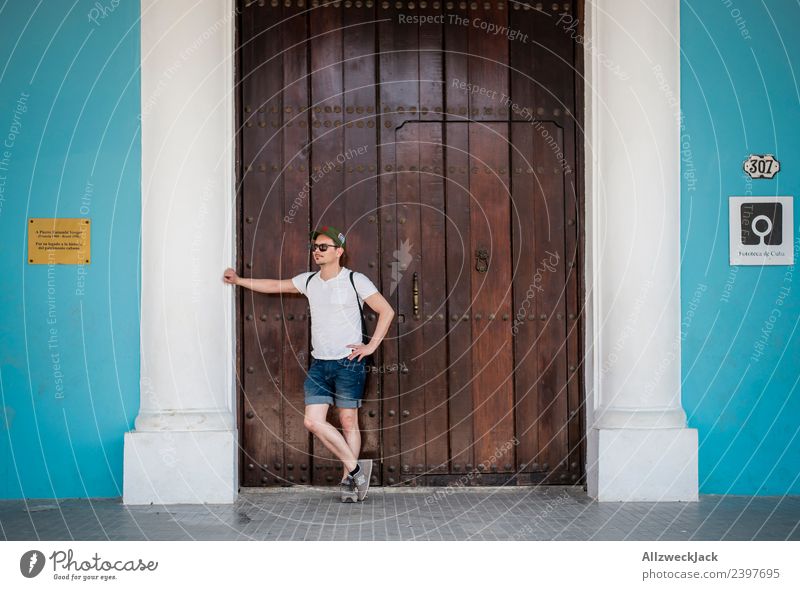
x: 761, y: 230
x: 765, y: 166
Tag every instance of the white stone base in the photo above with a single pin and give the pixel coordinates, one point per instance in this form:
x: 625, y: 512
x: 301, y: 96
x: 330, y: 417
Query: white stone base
x: 642, y: 465
x: 180, y: 467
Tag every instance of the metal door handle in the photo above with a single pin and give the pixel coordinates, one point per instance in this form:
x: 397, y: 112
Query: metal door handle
x: 415, y: 295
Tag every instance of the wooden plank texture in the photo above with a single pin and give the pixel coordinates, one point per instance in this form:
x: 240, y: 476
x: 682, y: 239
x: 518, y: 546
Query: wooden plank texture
x: 439, y: 141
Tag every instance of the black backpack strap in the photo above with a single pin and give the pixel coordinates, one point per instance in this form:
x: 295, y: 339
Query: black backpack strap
x: 364, y: 337
x: 308, y: 280
x: 352, y: 282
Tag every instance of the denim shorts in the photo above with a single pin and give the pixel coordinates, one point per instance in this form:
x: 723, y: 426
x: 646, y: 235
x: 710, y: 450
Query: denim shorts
x: 338, y: 382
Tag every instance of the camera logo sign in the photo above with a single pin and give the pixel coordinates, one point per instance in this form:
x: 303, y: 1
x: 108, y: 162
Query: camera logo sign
x: 762, y: 224
x: 761, y: 231
x: 31, y: 563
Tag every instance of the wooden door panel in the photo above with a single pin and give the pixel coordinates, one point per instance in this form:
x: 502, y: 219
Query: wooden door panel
x: 327, y: 142
x: 525, y: 323
x: 549, y: 276
x: 411, y: 340
x: 459, y: 256
x: 432, y: 279
x: 360, y: 196
x: 532, y: 415
x: 396, y: 64
x: 432, y: 283
x: 294, y: 257
x: 353, y: 119
x: 491, y: 294
x: 261, y: 204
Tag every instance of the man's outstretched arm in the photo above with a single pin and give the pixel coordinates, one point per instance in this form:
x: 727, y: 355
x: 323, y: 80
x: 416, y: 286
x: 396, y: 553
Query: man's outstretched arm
x: 260, y: 285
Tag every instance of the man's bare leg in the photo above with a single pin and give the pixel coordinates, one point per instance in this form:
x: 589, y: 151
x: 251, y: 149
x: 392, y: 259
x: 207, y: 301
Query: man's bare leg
x: 348, y: 417
x: 316, y: 422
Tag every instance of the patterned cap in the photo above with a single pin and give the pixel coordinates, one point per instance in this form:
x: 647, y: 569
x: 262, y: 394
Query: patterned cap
x: 331, y: 232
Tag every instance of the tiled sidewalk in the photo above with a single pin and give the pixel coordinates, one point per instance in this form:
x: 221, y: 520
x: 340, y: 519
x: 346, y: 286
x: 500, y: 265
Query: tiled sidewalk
x: 519, y: 513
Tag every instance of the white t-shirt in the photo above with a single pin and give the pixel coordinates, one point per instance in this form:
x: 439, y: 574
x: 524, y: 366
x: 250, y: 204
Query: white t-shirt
x: 335, y: 319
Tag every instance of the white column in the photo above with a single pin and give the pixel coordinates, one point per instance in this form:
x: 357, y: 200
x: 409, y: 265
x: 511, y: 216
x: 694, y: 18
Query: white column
x: 184, y: 445
x: 639, y: 448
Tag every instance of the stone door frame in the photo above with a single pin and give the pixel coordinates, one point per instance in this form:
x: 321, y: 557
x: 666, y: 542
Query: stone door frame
x: 184, y: 446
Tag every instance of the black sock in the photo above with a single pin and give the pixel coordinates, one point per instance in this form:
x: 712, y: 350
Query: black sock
x: 354, y: 471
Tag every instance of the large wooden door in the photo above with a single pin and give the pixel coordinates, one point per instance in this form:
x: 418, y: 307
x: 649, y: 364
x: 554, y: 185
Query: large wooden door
x: 448, y: 155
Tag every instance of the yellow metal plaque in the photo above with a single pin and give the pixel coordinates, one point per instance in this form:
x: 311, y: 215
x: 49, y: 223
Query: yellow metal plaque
x: 59, y: 241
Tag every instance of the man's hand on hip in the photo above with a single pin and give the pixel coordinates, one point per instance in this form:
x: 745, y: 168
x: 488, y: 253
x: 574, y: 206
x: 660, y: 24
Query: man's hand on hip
x: 360, y: 351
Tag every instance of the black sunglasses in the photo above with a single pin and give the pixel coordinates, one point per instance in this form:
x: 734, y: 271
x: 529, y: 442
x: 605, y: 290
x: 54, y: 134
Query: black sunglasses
x: 321, y: 247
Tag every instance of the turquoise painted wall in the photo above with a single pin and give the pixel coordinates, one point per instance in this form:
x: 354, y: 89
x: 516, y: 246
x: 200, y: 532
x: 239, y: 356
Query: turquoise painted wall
x: 741, y: 343
x: 69, y: 147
